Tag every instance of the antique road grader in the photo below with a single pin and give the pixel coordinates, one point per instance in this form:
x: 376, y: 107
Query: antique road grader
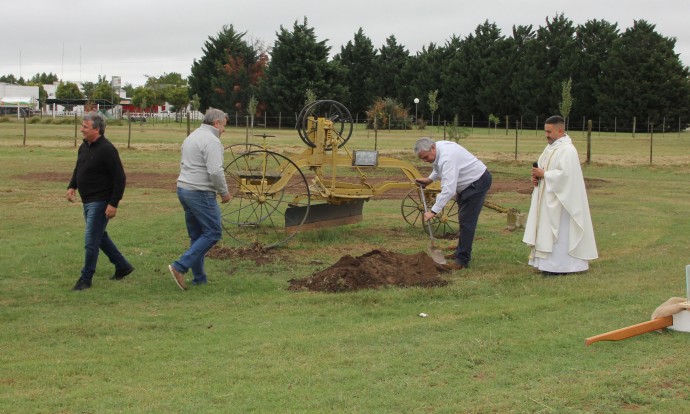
x: 275, y: 197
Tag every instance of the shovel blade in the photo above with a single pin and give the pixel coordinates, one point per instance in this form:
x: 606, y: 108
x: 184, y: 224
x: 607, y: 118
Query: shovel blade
x: 436, y: 255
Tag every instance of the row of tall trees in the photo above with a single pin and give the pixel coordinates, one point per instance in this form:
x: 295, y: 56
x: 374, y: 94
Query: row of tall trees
x: 611, y: 73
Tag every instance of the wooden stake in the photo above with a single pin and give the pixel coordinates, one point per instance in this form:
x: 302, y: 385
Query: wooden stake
x: 631, y: 331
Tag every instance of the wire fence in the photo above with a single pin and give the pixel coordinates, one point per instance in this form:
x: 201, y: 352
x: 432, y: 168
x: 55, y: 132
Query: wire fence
x: 642, y: 124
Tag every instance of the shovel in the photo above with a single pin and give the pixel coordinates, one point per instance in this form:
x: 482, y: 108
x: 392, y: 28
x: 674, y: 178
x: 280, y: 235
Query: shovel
x: 435, y: 254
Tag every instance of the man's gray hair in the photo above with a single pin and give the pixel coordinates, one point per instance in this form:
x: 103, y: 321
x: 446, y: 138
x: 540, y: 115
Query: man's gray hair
x: 423, y: 144
x: 97, y: 121
x: 212, y: 115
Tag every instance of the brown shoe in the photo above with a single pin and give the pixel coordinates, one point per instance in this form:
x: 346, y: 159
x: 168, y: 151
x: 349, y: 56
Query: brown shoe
x: 454, y: 266
x: 449, y: 256
x: 178, y: 277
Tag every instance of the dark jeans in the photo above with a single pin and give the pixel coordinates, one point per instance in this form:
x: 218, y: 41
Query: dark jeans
x: 202, y: 215
x: 470, y: 202
x: 96, y: 238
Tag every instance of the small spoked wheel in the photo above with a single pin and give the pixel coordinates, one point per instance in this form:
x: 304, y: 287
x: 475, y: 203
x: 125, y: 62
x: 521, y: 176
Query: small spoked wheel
x: 264, y: 185
x: 333, y: 110
x: 444, y: 225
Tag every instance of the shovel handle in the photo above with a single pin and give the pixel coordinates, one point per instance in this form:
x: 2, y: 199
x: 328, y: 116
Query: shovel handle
x: 426, y: 209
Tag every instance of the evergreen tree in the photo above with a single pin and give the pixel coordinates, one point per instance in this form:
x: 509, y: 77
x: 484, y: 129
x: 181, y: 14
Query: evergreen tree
x: 644, y: 78
x: 594, y: 40
x: 43, y: 79
x: 228, y: 73
x: 425, y: 72
x: 526, y: 86
x: 357, y: 61
x: 299, y: 62
x: 559, y: 55
x: 490, y: 55
x: 478, y: 78
x: 387, y: 72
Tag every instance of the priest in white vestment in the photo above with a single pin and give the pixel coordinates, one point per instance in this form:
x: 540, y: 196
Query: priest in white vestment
x: 559, y: 226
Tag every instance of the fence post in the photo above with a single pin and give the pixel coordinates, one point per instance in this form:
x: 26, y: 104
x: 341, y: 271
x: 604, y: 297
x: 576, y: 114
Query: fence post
x: 634, y: 126
x: 516, y: 138
x: 189, y: 127
x: 129, y: 128
x: 246, y: 135
x: 651, y: 142
x: 615, y: 126
x: 24, y: 142
x: 589, y: 141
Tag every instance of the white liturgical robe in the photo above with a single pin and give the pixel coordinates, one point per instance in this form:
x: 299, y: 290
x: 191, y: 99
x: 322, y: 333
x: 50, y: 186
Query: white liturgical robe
x: 559, y: 226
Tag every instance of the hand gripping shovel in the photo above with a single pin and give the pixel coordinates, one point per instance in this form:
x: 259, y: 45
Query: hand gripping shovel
x: 435, y: 254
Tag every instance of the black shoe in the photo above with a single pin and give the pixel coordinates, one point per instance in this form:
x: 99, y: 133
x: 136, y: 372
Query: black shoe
x: 551, y: 274
x: 121, y: 273
x: 82, y: 284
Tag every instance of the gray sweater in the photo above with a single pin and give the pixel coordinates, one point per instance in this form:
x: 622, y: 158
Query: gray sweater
x: 201, y: 164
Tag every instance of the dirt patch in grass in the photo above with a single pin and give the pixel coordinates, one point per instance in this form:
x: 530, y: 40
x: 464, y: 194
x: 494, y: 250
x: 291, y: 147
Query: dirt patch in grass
x: 374, y: 270
x: 168, y: 181
x: 258, y: 256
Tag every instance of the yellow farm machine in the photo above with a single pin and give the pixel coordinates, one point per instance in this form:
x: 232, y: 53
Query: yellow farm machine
x: 276, y: 196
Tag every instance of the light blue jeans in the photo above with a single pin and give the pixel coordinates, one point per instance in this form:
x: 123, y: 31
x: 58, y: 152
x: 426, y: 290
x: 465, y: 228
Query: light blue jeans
x: 96, y: 238
x: 202, y: 215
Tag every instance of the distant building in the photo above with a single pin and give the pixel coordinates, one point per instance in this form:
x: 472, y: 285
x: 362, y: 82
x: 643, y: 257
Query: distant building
x: 18, y: 99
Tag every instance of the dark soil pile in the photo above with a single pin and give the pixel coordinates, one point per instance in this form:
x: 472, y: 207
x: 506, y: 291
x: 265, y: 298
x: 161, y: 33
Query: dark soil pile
x: 373, y: 270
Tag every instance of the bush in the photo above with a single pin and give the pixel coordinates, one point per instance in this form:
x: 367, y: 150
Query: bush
x: 388, y: 113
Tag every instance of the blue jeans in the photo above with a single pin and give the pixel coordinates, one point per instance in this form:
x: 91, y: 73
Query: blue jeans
x: 96, y: 238
x: 202, y: 215
x: 470, y: 204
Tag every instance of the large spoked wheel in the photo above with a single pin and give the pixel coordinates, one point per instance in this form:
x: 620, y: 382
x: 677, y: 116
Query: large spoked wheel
x: 444, y: 225
x: 333, y: 110
x: 264, y: 184
x: 235, y: 150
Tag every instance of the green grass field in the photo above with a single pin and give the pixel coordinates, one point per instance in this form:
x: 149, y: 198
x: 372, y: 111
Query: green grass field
x: 499, y: 338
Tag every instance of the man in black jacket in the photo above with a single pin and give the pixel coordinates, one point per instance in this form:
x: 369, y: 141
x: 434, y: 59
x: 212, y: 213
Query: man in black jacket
x: 100, y: 179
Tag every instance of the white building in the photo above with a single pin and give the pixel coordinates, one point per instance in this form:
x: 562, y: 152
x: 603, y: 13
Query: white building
x: 18, y: 99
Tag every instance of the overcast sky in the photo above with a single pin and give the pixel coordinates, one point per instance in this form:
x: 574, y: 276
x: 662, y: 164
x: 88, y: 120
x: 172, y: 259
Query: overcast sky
x: 78, y: 40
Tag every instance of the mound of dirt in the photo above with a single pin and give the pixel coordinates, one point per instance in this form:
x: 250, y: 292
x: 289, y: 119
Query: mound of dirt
x: 373, y: 270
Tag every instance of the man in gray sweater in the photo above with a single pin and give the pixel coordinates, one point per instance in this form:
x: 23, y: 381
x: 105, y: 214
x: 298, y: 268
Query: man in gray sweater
x: 202, y: 177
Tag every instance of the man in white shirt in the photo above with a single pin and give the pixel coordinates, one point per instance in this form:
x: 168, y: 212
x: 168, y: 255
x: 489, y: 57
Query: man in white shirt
x: 559, y: 226
x: 462, y: 176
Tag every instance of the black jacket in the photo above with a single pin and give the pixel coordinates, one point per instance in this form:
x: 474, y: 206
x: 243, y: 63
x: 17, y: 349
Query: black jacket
x: 99, y: 174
